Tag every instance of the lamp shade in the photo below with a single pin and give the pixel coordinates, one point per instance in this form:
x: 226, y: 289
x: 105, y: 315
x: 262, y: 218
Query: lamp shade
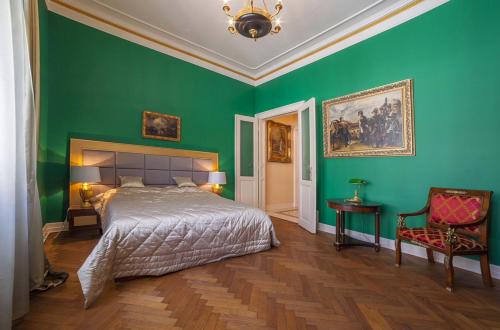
x: 217, y: 177
x: 85, y: 174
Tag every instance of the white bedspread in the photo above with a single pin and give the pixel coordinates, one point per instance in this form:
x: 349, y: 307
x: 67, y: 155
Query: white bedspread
x: 154, y: 231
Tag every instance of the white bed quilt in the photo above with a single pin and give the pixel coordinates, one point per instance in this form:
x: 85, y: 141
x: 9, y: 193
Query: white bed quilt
x: 154, y: 231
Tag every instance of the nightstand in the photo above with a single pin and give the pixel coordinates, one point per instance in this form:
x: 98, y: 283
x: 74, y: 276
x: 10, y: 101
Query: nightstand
x: 80, y: 211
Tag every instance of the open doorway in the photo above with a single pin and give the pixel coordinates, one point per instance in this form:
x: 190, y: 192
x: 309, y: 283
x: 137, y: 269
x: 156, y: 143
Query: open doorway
x: 282, y: 173
x: 251, y: 155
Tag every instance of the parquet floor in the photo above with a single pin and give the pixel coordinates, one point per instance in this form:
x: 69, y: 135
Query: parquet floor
x: 303, y: 284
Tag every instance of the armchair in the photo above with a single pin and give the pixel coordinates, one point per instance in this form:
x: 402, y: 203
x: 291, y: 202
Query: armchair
x: 456, y: 224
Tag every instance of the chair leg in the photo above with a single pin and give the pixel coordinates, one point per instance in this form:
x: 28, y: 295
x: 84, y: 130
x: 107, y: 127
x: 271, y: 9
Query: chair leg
x: 448, y: 265
x: 398, y: 252
x: 485, y: 270
x: 430, y: 256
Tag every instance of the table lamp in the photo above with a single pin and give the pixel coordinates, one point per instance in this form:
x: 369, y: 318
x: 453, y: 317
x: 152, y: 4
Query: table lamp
x: 357, y: 183
x: 85, y: 175
x: 216, y: 179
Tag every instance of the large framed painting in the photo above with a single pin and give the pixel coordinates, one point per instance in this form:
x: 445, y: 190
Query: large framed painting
x: 375, y: 122
x: 279, y: 142
x: 160, y: 126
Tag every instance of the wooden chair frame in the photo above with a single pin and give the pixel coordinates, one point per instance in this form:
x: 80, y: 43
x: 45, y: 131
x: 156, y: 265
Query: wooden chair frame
x: 451, y: 231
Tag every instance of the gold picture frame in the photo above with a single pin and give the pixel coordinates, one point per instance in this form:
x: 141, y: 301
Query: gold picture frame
x: 160, y: 126
x: 279, y: 142
x: 373, y: 123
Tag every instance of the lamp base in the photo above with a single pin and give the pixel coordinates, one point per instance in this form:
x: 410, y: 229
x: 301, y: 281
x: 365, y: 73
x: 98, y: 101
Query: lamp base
x: 355, y: 199
x: 217, y: 189
x: 86, y: 204
x: 86, y: 194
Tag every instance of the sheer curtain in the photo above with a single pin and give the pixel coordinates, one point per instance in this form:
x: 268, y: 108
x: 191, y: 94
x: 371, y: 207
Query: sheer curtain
x: 22, y: 265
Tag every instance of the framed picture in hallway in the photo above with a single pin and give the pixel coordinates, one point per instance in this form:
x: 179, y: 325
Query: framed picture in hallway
x: 162, y: 127
x: 376, y: 122
x: 279, y: 142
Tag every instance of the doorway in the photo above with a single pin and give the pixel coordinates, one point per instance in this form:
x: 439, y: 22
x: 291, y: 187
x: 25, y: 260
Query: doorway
x: 250, y: 159
x: 281, y: 183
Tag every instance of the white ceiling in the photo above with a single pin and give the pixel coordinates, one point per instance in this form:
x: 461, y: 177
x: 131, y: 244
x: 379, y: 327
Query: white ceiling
x: 196, y: 30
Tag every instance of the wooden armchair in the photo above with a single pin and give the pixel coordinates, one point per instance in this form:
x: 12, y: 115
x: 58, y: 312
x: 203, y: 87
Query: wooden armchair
x: 457, y: 224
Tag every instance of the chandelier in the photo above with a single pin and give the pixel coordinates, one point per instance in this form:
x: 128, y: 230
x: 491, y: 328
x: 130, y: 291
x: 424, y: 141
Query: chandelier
x: 254, y: 22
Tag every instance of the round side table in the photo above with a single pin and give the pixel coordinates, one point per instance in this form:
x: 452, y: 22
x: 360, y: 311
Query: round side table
x: 342, y: 206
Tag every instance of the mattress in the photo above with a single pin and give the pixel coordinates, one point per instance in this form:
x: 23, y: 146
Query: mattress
x: 153, y: 231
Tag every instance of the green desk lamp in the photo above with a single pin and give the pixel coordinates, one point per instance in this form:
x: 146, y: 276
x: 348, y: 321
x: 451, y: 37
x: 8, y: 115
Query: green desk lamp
x: 358, y: 183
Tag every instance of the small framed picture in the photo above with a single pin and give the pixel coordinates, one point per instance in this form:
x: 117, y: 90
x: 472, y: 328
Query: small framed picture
x: 160, y: 126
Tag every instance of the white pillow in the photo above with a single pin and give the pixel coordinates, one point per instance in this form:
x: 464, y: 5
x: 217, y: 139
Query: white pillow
x: 131, y: 182
x: 183, y: 181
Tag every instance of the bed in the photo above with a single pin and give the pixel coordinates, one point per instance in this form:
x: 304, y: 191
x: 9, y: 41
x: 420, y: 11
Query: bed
x: 161, y: 228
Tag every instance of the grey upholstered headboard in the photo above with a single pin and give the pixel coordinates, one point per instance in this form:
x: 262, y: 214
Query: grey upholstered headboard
x: 156, y: 170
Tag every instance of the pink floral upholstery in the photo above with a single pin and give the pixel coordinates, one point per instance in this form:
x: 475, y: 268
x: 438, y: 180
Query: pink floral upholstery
x: 437, y: 238
x: 453, y: 209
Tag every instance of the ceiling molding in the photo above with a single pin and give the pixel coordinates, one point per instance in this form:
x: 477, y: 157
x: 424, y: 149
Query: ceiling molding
x: 352, y: 36
x: 74, y: 13
x: 154, y: 38
x: 174, y: 36
x: 318, y: 35
x: 233, y: 60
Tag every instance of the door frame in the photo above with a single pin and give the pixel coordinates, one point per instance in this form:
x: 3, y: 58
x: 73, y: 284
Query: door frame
x: 262, y: 117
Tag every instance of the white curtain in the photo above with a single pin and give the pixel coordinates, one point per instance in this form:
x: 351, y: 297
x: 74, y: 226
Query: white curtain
x: 21, y: 242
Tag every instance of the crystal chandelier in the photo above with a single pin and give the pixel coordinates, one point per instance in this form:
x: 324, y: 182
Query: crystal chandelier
x: 254, y: 22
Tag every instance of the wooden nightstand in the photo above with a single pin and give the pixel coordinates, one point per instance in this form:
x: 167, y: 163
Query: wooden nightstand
x: 79, y: 211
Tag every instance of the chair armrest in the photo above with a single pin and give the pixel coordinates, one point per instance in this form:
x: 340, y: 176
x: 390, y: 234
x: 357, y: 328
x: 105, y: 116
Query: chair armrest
x: 479, y: 220
x: 422, y: 211
x: 451, y: 236
x: 402, y: 216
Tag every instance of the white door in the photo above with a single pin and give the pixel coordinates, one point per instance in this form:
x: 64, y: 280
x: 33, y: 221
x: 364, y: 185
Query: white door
x: 307, y: 166
x: 246, y: 160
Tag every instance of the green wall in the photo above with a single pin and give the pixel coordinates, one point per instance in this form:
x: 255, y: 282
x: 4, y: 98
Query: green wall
x: 96, y: 86
x: 453, y: 55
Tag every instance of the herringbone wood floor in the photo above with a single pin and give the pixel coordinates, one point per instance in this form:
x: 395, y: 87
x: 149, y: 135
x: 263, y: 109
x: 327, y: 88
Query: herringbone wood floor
x: 303, y: 284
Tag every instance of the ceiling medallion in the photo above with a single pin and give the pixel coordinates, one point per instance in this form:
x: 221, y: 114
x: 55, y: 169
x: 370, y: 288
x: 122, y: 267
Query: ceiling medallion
x: 254, y: 22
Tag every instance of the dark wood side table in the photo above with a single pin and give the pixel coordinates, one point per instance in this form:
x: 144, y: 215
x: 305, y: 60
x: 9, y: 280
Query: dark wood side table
x: 79, y: 211
x: 341, y: 206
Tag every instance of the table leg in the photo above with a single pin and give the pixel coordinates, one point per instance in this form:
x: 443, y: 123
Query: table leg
x: 377, y: 231
x: 342, y: 227
x: 71, y: 224
x: 99, y: 224
x: 337, y: 230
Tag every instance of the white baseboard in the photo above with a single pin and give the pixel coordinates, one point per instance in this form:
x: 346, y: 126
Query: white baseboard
x: 53, y: 227
x: 415, y: 250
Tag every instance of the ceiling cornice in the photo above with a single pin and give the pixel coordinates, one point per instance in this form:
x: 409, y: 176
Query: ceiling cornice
x: 396, y: 15
x: 253, y: 68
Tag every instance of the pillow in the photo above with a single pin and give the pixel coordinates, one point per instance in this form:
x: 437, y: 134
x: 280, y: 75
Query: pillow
x: 183, y: 181
x: 131, y: 182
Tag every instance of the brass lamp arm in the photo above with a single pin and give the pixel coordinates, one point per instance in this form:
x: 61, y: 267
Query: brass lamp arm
x: 278, y: 9
x: 276, y: 29
x: 227, y: 11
